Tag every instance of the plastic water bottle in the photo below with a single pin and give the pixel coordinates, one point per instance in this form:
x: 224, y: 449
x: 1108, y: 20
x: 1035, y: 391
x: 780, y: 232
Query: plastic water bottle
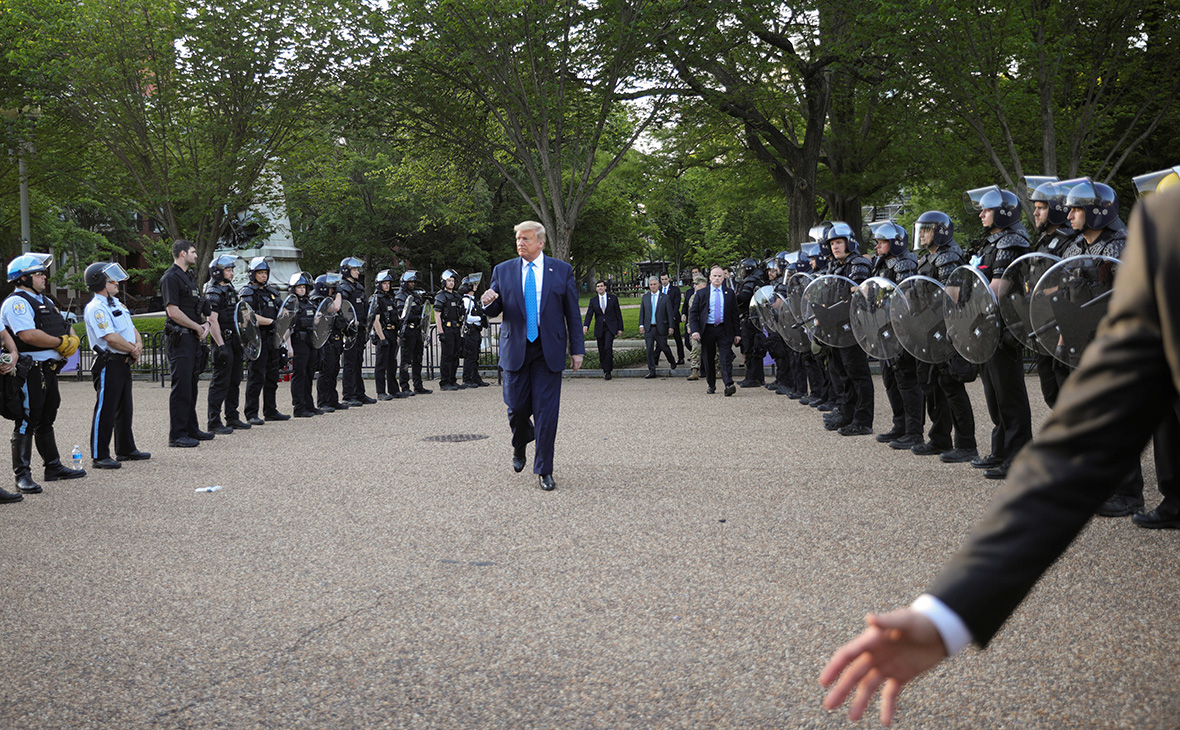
x: 77, y: 457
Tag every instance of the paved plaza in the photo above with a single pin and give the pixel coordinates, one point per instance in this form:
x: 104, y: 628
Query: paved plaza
x: 699, y: 561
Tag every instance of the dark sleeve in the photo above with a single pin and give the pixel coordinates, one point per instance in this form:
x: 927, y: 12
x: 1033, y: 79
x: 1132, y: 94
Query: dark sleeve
x: 170, y: 289
x: 497, y: 306
x: 1004, y: 259
x: 590, y: 312
x: 573, y: 316
x: 1103, y: 418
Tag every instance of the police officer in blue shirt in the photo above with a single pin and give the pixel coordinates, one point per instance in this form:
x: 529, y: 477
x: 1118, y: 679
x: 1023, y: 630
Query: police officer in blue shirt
x: 117, y: 344
x: 45, y: 341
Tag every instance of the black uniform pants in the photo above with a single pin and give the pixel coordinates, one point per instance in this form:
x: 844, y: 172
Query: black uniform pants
x: 1007, y: 400
x: 302, y: 366
x: 797, y: 380
x: 353, y: 357
x: 264, y: 376
x: 779, y: 351
x: 900, y: 379
x: 329, y: 363
x: 471, y: 348
x: 852, y: 365
x: 1048, y: 376
x: 183, y: 351
x: 949, y: 408
x: 713, y: 339
x: 754, y: 348
x: 411, y: 362
x: 227, y: 380
x: 385, y: 368
x: 814, y: 371
x: 448, y: 340
x: 657, y: 343
x: 679, y: 342
x: 112, y: 407
x: 606, y: 350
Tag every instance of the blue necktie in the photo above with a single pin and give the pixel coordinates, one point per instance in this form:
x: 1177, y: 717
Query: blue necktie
x: 716, y: 306
x: 654, y: 299
x: 530, y: 303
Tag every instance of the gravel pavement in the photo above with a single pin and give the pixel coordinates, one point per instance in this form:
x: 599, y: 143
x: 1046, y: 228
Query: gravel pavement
x: 699, y: 561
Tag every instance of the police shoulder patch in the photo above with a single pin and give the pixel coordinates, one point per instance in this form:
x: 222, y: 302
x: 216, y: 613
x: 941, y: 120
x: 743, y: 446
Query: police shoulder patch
x: 18, y: 307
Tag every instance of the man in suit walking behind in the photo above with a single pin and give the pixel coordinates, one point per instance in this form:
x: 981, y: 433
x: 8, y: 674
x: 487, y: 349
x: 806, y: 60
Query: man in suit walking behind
x: 604, y: 311
x: 656, y: 318
x: 539, y: 300
x: 712, y: 321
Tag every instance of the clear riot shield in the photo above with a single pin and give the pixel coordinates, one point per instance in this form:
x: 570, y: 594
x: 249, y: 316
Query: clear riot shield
x: 1068, y: 303
x: 972, y: 315
x: 1022, y: 276
x: 284, y: 319
x: 762, y: 308
x: 795, y: 286
x: 321, y: 326
x: 347, y: 316
x: 827, y: 311
x: 871, y: 323
x: 790, y: 328
x: 917, y: 311
x: 247, y: 326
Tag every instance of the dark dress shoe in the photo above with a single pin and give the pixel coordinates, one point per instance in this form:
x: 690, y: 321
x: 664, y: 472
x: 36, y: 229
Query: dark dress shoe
x: 649, y: 376
x: 7, y: 496
x: 987, y: 462
x: 219, y: 429
x: 998, y: 472
x: 423, y: 391
x: 326, y: 409
x: 729, y: 389
x: 606, y: 376
x: 750, y: 384
x: 402, y: 394
x: 1166, y: 516
x: 546, y: 482
x: 805, y: 400
x: 448, y: 388
x: 518, y: 460
x: 321, y: 412
x: 854, y: 429
x: 336, y: 406
x: 826, y: 407
x: 891, y: 435
x: 134, y: 456
x: 367, y: 400
x: 351, y: 403
x: 184, y: 442
x: 107, y: 463
x: 26, y: 485
x: 1120, y: 505
x: 928, y: 449
x: 238, y: 425
x: 304, y: 414
x: 385, y: 396
x: 958, y: 456
x: 255, y: 421
x: 276, y: 416
x: 907, y: 442
x: 202, y: 436
x: 54, y: 472
x: 711, y: 390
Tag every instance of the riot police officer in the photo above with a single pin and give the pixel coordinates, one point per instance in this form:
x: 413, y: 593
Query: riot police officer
x: 411, y: 307
x: 186, y: 328
x: 850, y: 365
x: 784, y: 379
x: 474, y: 321
x: 1053, y: 235
x: 352, y: 289
x: 822, y: 397
x: 117, y: 344
x: 753, y: 340
x: 45, y: 341
x: 1003, y: 373
x: 383, y: 319
x: 302, y: 351
x: 896, y: 263
x: 264, y: 370
x: 448, y: 322
x: 942, y: 384
x: 221, y: 300
x: 328, y: 356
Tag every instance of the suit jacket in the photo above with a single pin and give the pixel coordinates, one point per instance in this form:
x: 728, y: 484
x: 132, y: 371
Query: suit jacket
x: 674, y: 295
x: 1126, y: 382
x: 611, y: 319
x: 665, y: 314
x: 698, y: 314
x: 559, y: 322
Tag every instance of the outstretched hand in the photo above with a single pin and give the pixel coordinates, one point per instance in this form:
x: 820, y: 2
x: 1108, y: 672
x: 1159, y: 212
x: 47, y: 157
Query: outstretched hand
x: 895, y: 648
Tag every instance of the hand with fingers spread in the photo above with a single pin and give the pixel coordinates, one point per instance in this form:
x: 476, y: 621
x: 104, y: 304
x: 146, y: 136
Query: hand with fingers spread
x: 895, y: 648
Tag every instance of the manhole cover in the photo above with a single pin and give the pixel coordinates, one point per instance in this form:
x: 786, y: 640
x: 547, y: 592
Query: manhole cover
x: 454, y: 437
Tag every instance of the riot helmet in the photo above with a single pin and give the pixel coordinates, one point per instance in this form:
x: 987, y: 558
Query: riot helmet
x: 410, y: 279
x: 1155, y: 182
x: 818, y: 232
x: 1051, y: 194
x: 747, y: 266
x: 898, y: 239
x: 1097, y: 200
x: 29, y: 263
x: 100, y: 272
x: 301, y: 278
x: 350, y: 262
x: 1004, y: 204
x: 325, y: 282
x: 840, y: 229
x: 938, y: 226
x: 258, y: 263
x: 218, y: 266
x: 383, y: 276
x: 473, y: 280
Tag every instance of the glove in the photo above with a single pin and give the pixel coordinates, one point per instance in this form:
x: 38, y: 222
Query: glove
x: 223, y: 353
x: 383, y: 344
x: 69, y: 344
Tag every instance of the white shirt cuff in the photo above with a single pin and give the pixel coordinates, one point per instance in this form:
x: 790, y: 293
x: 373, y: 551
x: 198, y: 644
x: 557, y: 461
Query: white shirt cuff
x: 955, y: 634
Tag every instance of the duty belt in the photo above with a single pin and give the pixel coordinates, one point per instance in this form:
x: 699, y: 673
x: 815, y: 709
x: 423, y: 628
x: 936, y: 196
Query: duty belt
x: 450, y: 324
x: 107, y: 355
x: 51, y: 365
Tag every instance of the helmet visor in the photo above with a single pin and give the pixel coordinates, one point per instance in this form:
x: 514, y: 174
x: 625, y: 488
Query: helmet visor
x: 973, y: 200
x: 1151, y: 182
x: 114, y: 272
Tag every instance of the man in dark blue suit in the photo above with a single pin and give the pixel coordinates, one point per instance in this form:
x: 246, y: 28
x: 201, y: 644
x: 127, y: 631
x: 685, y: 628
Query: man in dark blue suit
x: 712, y: 321
x: 656, y: 317
x: 607, y: 316
x: 539, y: 300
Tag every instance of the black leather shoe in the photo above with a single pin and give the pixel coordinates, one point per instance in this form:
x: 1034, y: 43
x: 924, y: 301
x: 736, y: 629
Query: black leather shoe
x: 891, y: 435
x: 134, y: 456
x: 928, y: 449
x: 1120, y: 505
x: 255, y: 421
x: 367, y: 400
x: 805, y: 400
x: 54, y: 472
x: 649, y: 376
x: 7, y: 496
x: 423, y: 391
x: 835, y: 424
x: 1165, y: 516
x: 546, y: 482
x: 276, y: 416
x: 184, y: 442
x: 854, y: 429
x: 238, y: 425
x: 202, y: 436
x: 351, y: 403
x: 905, y: 443
x: 711, y: 390
x: 402, y: 394
x: 750, y: 384
x: 107, y: 463
x: 321, y: 412
x: 986, y: 462
x: 336, y: 406
x: 958, y: 456
x: 304, y: 414
x: 448, y: 388
x: 729, y: 389
x: 385, y: 396
x: 483, y: 384
x: 606, y: 376
x: 26, y: 485
x: 998, y: 472
x: 826, y: 407
x: 326, y: 409
x: 518, y: 460
x: 219, y: 429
